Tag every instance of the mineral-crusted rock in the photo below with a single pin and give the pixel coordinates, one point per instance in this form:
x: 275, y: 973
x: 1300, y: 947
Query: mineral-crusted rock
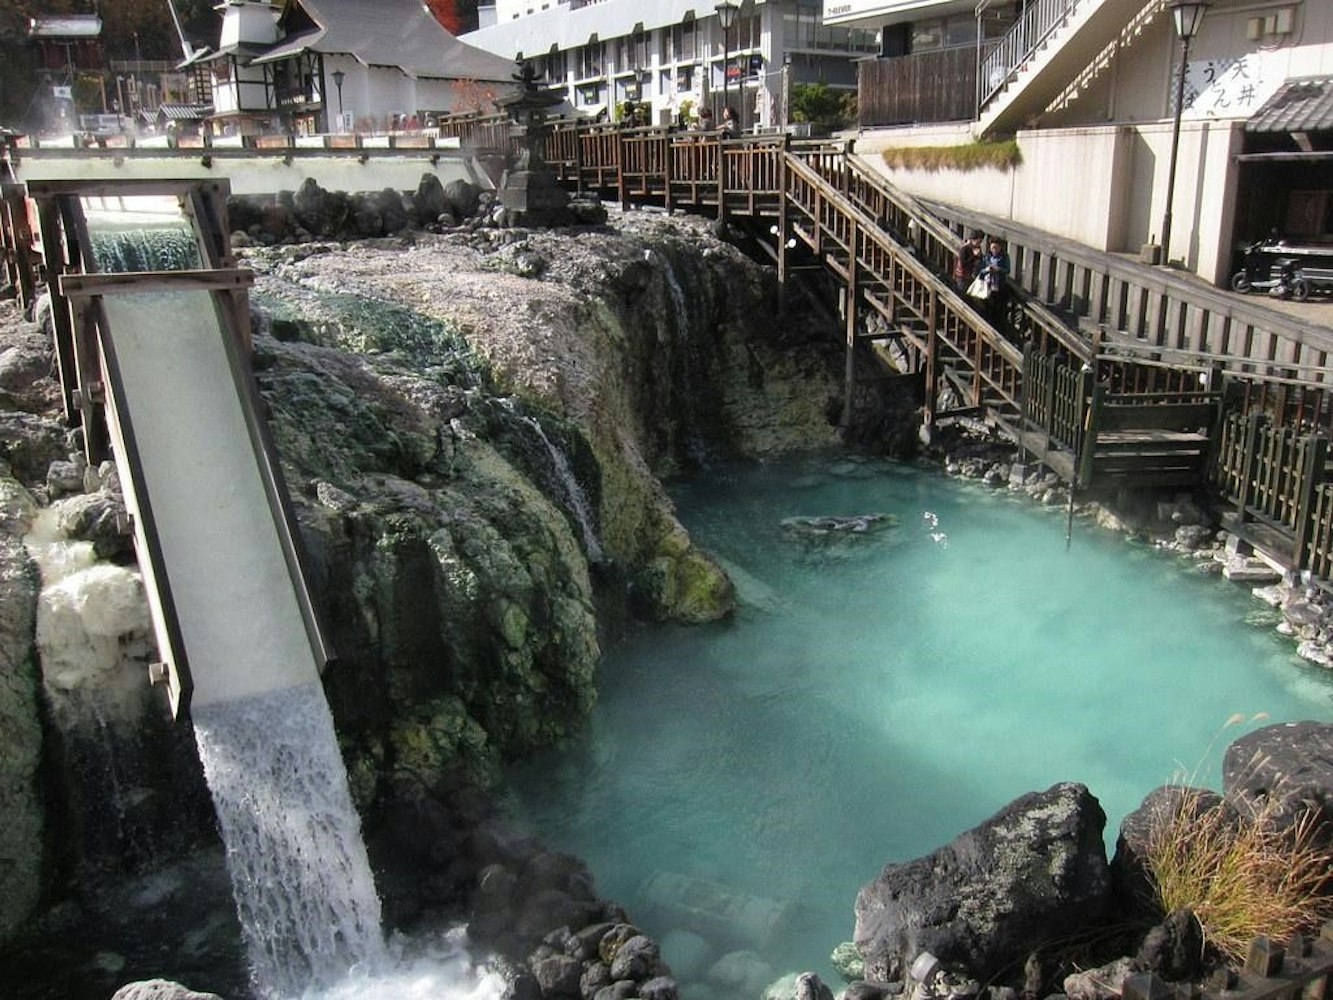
x: 1281, y: 771
x: 20, y: 732
x: 1035, y: 870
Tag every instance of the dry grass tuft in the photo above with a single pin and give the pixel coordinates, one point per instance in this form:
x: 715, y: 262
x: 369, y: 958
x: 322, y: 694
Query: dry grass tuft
x: 1242, y: 876
x: 973, y: 156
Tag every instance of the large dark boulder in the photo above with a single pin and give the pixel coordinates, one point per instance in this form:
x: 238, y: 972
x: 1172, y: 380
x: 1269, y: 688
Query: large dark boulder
x: 461, y: 198
x: 1281, y: 771
x: 429, y: 202
x: 1034, y: 871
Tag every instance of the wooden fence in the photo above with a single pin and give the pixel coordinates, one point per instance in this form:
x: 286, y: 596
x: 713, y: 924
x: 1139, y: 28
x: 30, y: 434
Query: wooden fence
x: 922, y: 87
x: 1299, y: 968
x: 1272, y: 475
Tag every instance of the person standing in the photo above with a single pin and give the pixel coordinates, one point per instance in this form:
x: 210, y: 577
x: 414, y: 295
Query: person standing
x: 731, y: 125
x: 967, y: 261
x: 994, y: 271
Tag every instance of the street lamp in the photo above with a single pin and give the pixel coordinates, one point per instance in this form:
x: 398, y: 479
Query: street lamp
x: 338, y: 77
x: 1187, y: 15
x: 726, y: 14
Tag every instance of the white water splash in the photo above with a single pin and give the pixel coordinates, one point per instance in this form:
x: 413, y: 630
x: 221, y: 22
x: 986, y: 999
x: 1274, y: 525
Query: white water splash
x: 299, y: 871
x: 574, y: 495
x: 92, y: 618
x: 932, y: 521
x: 441, y: 970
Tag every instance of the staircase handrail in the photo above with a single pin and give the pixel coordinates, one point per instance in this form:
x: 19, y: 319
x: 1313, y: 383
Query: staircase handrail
x: 1001, y: 63
x: 1097, y: 65
x: 937, y: 243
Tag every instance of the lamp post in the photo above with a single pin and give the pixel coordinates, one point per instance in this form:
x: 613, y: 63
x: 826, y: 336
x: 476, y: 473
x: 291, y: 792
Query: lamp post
x: 1186, y: 15
x: 338, y: 77
x: 726, y: 14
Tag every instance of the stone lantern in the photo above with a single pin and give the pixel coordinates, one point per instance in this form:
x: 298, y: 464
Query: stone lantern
x: 529, y: 191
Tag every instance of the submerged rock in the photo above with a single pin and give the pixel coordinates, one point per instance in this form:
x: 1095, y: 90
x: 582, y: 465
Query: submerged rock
x: 828, y: 526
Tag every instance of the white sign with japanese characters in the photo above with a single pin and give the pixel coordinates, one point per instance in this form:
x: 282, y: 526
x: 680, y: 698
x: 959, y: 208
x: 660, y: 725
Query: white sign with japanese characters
x: 1232, y: 87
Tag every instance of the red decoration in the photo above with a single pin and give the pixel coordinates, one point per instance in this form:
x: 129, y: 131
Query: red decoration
x: 446, y: 12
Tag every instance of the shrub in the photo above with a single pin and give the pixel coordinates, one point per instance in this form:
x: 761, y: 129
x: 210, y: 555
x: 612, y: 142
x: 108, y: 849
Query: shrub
x: 1243, y: 876
x: 820, y: 103
x: 972, y: 156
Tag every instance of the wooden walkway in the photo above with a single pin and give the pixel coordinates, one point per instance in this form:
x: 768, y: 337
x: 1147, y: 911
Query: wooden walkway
x: 1111, y: 375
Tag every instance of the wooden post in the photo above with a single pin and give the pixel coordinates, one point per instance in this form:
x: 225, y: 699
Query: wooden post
x: 1249, y: 452
x: 932, y: 361
x: 578, y: 159
x: 668, y: 149
x: 1023, y: 403
x: 1312, y: 474
x: 1088, y: 449
x: 53, y: 249
x: 849, y: 378
x: 721, y: 179
x: 620, y: 170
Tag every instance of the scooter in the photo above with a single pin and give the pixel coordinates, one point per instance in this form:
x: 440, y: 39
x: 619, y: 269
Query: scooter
x: 1285, y: 270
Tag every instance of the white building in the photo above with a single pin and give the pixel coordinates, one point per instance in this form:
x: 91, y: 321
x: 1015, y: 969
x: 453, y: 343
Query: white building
x: 673, y: 54
x: 1088, y: 89
x: 306, y: 66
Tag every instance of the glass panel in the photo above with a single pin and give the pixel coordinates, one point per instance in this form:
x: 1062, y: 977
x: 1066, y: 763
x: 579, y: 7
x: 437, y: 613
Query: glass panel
x: 140, y: 233
x: 926, y: 35
x: 960, y: 31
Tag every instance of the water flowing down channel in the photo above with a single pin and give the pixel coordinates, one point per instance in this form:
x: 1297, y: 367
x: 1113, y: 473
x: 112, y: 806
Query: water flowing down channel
x: 883, y: 688
x: 302, y: 882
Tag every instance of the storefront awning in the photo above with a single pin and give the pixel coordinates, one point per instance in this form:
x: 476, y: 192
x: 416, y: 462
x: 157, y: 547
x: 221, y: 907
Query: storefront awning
x: 1303, y: 104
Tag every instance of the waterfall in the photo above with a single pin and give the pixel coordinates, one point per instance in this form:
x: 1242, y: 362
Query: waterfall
x: 576, y: 500
x: 688, y: 356
x: 299, y: 870
x: 677, y: 293
x: 123, y: 250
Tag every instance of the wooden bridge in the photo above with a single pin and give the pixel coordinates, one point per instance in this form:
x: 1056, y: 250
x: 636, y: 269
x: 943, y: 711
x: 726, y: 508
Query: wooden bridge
x: 1111, y: 374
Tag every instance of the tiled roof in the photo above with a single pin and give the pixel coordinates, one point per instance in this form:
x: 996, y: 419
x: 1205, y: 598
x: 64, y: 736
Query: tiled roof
x: 1304, y: 104
x: 398, y: 33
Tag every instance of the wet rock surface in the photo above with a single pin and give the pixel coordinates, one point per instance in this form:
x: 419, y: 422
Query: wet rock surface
x: 1034, y: 871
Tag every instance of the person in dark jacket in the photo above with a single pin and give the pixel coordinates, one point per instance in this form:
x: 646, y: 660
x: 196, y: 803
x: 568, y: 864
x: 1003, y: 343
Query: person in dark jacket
x: 967, y: 261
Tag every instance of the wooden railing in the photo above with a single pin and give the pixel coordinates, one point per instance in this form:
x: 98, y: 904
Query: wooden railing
x: 1273, y: 475
x: 1321, y: 533
x: 1152, y: 313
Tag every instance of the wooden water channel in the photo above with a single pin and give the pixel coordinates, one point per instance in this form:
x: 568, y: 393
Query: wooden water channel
x: 1111, y: 376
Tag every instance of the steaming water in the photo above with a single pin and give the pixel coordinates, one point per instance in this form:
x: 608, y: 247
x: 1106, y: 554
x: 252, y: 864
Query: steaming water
x: 879, y: 694
x: 300, y: 876
x: 299, y: 870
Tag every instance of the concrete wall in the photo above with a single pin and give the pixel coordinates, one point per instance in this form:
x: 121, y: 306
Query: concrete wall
x: 1102, y: 186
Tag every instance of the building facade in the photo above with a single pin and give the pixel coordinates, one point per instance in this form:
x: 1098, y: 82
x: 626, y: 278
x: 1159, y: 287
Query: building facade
x: 310, y: 66
x: 674, y: 57
x: 1088, y: 89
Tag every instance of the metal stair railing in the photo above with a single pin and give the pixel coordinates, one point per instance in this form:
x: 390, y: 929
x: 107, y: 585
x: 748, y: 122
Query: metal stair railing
x: 1001, y: 64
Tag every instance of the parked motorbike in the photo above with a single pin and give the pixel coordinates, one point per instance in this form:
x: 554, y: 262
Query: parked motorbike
x: 1285, y: 270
